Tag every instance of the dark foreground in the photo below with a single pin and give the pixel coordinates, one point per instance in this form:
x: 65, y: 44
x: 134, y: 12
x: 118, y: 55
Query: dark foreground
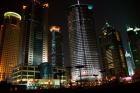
x: 106, y: 88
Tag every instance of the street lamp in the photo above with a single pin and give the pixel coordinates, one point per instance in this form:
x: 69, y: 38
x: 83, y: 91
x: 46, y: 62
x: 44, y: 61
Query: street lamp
x: 69, y: 73
x: 96, y: 80
x: 60, y: 75
x: 80, y: 67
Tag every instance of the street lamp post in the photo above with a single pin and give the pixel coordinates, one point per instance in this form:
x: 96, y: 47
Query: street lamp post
x: 96, y: 80
x: 69, y: 72
x: 60, y: 75
x: 80, y: 67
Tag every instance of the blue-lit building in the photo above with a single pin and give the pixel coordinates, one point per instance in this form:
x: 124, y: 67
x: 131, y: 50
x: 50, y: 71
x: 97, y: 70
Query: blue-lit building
x: 56, y: 45
x: 45, y: 70
x: 83, y: 42
x: 133, y: 50
x: 55, y: 66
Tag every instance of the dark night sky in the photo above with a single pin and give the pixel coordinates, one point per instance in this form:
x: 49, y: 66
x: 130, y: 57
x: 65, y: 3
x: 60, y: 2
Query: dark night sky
x: 118, y: 12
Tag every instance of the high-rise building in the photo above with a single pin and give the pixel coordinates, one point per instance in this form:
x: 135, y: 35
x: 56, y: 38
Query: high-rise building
x: 1, y: 45
x: 34, y: 44
x: 133, y: 40
x: 1, y: 34
x: 10, y: 44
x: 112, y: 53
x: 34, y: 33
x: 56, y: 46
x: 33, y: 60
x: 55, y: 67
x: 84, y: 54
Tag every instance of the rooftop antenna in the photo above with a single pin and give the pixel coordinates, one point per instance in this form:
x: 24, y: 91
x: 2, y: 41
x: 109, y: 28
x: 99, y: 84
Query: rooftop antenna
x: 107, y: 23
x: 78, y: 2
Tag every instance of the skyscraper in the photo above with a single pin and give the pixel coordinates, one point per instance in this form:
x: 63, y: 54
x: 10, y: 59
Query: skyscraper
x: 133, y: 37
x: 34, y: 28
x: 56, y: 46
x: 112, y: 53
x: 1, y: 45
x: 83, y: 42
x: 34, y: 41
x: 10, y: 46
x: 1, y: 34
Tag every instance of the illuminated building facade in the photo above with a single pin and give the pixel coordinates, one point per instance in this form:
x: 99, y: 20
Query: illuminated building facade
x: 50, y: 70
x: 112, y: 53
x: 34, y: 44
x: 34, y: 33
x: 46, y: 70
x: 133, y: 37
x: 1, y: 34
x: 1, y: 39
x: 56, y: 46
x: 22, y: 73
x: 1, y: 45
x: 10, y: 46
x: 56, y: 51
x: 83, y: 42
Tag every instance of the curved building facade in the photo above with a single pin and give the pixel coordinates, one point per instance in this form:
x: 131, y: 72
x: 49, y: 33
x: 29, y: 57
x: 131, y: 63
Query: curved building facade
x: 10, y: 47
x: 84, y: 54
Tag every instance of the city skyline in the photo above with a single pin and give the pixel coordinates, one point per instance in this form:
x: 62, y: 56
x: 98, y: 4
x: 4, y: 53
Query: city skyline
x: 117, y: 12
x: 83, y: 43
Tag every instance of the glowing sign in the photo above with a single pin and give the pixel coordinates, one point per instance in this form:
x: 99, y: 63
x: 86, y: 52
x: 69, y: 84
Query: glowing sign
x: 14, y: 14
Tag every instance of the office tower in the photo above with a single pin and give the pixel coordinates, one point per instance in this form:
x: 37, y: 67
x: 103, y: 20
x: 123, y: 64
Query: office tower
x: 112, y: 53
x: 10, y: 46
x: 34, y: 31
x: 133, y: 41
x: 1, y: 39
x: 54, y: 69
x: 1, y: 45
x: 55, y: 65
x: 56, y: 46
x: 84, y: 54
x: 1, y: 33
x: 34, y: 44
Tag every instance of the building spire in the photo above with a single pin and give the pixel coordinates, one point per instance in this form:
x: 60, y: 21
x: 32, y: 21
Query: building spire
x: 107, y: 24
x: 78, y: 2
